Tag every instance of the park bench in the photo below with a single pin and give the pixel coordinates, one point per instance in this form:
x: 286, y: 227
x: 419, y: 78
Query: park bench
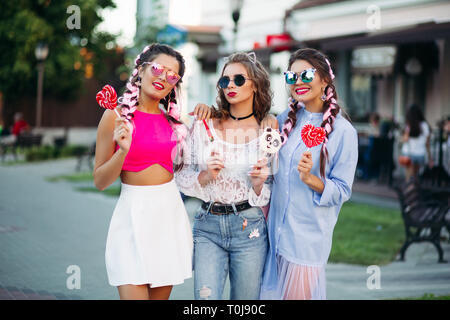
x: 23, y: 141
x: 86, y: 155
x: 435, y: 184
x: 27, y: 140
x: 423, y: 217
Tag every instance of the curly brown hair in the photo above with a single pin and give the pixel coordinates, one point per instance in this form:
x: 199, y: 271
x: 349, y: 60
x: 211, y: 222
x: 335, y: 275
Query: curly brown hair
x: 262, y: 99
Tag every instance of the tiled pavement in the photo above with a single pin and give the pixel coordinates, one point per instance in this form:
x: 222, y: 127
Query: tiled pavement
x: 13, y: 293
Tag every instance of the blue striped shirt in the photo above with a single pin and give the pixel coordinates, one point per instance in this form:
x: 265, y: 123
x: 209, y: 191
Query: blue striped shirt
x: 300, y: 220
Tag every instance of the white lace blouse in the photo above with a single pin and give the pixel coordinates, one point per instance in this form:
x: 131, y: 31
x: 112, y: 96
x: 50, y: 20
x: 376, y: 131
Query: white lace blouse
x: 233, y: 183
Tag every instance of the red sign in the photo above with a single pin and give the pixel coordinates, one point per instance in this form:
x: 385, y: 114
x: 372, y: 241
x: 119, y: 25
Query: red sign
x: 280, y: 42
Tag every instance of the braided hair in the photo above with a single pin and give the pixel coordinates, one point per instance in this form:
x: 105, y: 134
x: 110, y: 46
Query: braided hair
x: 130, y: 98
x: 330, y: 107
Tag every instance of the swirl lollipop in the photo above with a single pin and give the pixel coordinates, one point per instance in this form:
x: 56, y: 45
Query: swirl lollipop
x: 312, y: 136
x: 107, y: 98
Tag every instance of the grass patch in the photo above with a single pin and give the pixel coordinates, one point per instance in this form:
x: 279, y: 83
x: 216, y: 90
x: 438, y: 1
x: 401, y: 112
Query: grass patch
x: 10, y: 163
x: 427, y: 296
x: 367, y: 235
x: 78, y: 177
x: 113, y: 191
x: 46, y: 153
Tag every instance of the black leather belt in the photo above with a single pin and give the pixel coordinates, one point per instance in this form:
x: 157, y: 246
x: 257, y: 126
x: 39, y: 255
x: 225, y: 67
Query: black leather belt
x: 220, y: 208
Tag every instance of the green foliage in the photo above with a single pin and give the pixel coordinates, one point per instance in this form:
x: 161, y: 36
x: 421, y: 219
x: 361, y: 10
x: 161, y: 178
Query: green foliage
x: 39, y: 153
x: 24, y: 23
x: 50, y: 152
x: 73, y: 151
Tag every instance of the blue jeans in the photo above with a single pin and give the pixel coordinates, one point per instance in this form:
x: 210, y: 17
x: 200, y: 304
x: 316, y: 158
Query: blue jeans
x: 221, y: 246
x: 420, y: 160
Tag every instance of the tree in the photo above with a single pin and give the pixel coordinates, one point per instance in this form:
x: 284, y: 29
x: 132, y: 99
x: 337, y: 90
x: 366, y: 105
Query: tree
x: 74, y: 53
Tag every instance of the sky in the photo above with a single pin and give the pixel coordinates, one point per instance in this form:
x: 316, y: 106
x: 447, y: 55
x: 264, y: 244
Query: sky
x: 123, y: 18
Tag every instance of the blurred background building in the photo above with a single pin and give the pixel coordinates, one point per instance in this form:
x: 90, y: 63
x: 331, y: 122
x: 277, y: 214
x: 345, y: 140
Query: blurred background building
x: 385, y: 54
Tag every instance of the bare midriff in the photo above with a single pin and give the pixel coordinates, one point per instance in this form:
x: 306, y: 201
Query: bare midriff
x: 153, y: 175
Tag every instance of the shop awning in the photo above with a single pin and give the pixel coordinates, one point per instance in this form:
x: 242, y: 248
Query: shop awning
x: 417, y: 33
x: 346, y: 24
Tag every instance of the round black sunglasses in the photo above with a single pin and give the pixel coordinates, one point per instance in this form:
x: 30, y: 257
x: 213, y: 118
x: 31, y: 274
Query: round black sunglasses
x: 238, y: 80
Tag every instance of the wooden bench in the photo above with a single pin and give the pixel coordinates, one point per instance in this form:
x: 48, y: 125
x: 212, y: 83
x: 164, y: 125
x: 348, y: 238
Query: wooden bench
x: 88, y: 156
x: 24, y: 141
x: 28, y: 140
x: 423, y: 218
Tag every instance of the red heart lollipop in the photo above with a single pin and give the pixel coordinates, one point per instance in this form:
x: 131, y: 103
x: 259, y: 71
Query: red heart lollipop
x: 107, y: 97
x: 312, y: 136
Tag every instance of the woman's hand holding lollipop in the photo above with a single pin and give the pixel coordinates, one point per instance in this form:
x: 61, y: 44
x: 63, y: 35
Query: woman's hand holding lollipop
x: 107, y: 98
x: 214, y: 165
x: 122, y: 134
x: 312, y: 136
x: 304, y: 166
x: 259, y: 174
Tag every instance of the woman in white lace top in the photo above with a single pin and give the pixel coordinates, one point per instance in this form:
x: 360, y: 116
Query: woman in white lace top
x: 232, y: 184
x: 224, y: 167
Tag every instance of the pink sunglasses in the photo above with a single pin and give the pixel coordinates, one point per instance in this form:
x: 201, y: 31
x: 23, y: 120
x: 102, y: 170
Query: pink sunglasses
x: 171, y: 77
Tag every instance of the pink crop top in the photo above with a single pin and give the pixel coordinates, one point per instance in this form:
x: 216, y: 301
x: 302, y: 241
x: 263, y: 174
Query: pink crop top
x: 152, y: 142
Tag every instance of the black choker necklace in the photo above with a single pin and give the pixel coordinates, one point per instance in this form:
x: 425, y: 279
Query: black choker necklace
x: 241, y: 118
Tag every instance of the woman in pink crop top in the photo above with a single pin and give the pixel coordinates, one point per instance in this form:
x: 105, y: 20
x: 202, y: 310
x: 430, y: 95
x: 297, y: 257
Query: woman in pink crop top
x: 149, y: 243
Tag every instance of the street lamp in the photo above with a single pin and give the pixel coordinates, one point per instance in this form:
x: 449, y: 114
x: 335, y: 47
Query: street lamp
x: 41, y: 53
x: 236, y: 6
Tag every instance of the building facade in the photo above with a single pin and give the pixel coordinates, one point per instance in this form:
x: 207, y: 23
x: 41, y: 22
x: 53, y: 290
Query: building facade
x: 387, y: 54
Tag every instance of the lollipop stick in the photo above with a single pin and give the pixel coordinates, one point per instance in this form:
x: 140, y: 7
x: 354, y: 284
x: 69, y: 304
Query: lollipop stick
x: 211, y: 138
x: 115, y: 110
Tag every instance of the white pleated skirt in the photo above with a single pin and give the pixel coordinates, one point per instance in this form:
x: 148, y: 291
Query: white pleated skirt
x: 149, y: 238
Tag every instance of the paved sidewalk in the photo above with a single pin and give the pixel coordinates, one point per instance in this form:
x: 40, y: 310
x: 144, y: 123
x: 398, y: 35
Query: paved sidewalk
x: 45, y: 227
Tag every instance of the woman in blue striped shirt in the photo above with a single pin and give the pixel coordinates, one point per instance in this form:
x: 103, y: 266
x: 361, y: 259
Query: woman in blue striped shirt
x: 310, y: 185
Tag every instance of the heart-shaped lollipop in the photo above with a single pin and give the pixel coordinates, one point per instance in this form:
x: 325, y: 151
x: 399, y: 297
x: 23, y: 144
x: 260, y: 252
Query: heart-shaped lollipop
x: 107, y: 98
x: 312, y: 136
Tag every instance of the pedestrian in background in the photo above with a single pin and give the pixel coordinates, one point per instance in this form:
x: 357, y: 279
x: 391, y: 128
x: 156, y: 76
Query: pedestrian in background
x: 416, y: 142
x: 20, y: 125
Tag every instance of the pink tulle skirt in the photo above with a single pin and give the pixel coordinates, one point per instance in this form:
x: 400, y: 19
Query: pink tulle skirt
x: 297, y: 282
